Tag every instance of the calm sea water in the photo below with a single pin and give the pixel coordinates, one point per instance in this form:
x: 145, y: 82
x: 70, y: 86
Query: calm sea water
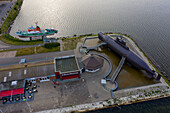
x: 148, y: 21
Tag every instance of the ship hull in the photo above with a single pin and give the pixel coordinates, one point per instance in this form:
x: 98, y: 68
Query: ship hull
x: 26, y: 34
x: 22, y: 36
x: 131, y: 57
x: 29, y: 36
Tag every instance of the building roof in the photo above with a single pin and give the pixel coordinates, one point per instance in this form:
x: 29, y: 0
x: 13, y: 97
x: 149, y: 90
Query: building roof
x: 66, y: 64
x: 92, y: 62
x: 10, y: 85
x: 32, y: 72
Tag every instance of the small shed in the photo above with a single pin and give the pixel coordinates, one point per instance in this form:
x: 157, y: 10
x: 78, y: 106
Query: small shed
x: 92, y: 62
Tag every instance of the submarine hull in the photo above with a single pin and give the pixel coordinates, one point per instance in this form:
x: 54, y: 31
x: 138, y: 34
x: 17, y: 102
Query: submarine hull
x: 131, y: 57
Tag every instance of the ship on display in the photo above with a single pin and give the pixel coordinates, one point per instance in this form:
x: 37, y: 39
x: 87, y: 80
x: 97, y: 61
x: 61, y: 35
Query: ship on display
x: 36, y: 32
x: 119, y: 47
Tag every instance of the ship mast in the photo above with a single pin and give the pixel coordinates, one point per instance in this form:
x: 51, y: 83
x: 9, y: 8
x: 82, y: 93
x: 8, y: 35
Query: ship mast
x: 36, y: 23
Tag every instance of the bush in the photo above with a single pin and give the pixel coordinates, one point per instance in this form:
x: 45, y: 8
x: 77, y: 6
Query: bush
x: 7, y: 38
x: 2, y: 19
x: 11, y: 38
x: 51, y: 45
x: 15, y: 8
x: 75, y: 35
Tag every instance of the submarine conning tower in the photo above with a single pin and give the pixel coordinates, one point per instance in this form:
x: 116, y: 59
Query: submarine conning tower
x: 122, y: 50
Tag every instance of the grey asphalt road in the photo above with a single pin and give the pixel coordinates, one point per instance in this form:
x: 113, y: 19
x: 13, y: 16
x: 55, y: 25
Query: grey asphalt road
x: 5, y: 8
x: 35, y: 57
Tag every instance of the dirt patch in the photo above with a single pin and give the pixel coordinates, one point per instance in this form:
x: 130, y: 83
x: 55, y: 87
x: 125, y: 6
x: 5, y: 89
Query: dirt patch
x: 70, y: 44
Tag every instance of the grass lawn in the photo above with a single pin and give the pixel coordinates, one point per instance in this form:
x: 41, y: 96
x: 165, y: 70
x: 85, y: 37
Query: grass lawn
x: 25, y: 51
x: 71, y: 43
x: 35, y: 50
x: 45, y: 50
x: 8, y: 39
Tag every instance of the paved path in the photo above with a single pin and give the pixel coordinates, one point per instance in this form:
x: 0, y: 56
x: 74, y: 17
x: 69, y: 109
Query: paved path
x: 61, y: 45
x: 3, y: 46
x: 93, y: 48
x: 118, y: 69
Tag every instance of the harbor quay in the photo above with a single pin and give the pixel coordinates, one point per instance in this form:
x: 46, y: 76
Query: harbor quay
x: 78, y: 80
x: 91, y: 71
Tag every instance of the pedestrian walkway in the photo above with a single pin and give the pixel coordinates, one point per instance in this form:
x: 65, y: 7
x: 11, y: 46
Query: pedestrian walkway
x: 118, y: 69
x: 61, y: 46
x: 95, y: 47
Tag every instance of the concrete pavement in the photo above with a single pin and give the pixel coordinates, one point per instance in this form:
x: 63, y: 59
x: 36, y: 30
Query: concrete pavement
x: 61, y: 46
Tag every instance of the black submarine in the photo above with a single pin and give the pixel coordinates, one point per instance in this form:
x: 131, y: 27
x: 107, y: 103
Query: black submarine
x: 119, y: 47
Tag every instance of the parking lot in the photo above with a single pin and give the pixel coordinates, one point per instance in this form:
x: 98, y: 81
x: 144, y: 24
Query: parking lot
x: 48, y: 97
x: 85, y: 90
